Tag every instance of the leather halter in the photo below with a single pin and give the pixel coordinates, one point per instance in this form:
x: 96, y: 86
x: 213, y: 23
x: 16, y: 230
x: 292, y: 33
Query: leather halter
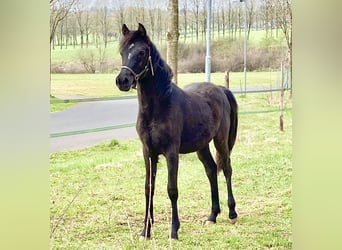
x: 139, y: 75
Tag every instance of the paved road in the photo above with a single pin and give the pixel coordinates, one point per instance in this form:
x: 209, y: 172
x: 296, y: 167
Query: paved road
x: 92, y: 115
x: 99, y: 114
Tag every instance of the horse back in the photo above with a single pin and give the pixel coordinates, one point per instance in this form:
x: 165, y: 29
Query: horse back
x: 207, y: 108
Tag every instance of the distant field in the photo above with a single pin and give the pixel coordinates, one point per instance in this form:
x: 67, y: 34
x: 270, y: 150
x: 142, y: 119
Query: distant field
x: 72, y: 54
x: 103, y: 85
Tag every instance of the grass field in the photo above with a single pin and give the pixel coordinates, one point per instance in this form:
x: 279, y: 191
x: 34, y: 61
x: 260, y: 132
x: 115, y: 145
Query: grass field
x: 103, y: 85
x: 72, y: 54
x: 97, y: 194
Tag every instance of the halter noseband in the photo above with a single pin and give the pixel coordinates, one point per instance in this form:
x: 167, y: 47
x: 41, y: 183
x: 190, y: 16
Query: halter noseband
x: 139, y: 75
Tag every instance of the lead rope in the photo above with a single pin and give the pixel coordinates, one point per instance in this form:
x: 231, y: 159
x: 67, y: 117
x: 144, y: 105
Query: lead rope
x: 151, y: 65
x: 149, y: 219
x: 150, y: 201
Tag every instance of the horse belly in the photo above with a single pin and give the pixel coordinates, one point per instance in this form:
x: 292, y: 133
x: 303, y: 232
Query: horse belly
x: 195, y: 139
x: 189, y: 148
x: 199, y: 128
x: 159, y: 137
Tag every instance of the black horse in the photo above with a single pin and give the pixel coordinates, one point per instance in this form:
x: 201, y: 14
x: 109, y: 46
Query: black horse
x: 173, y: 121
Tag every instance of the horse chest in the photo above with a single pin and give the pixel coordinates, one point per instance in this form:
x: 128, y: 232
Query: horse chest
x: 156, y: 133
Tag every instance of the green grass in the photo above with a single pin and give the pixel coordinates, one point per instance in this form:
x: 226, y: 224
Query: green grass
x: 88, y: 85
x: 54, y: 107
x: 254, y: 79
x: 103, y: 85
x: 97, y: 194
x: 72, y: 54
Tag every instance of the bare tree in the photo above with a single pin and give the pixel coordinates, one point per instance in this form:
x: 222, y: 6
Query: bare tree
x: 184, y: 12
x: 152, y: 15
x: 140, y: 14
x: 61, y: 25
x: 72, y: 27
x: 172, y: 37
x: 196, y: 14
x: 229, y: 17
x: 236, y: 18
x: 87, y: 24
x: 104, y: 21
x: 284, y: 20
x: 203, y: 17
x: 160, y: 24
x: 250, y: 11
x: 120, y: 14
x: 218, y: 18
x: 59, y: 9
x: 79, y: 14
x: 270, y: 11
x: 222, y: 16
x: 265, y: 15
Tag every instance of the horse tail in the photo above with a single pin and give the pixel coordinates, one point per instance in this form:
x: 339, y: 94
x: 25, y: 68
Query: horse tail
x: 233, y: 118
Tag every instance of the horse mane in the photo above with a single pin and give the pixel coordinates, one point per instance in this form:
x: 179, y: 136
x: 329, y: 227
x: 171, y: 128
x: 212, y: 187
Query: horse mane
x: 163, y: 72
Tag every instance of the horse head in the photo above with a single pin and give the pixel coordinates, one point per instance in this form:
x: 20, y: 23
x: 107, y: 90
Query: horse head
x: 136, y: 58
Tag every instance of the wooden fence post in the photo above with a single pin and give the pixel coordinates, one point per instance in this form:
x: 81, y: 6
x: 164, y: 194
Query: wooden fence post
x: 226, y: 78
x: 281, y: 118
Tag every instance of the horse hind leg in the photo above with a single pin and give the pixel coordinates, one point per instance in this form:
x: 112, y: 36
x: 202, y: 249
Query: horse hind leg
x: 211, y: 170
x: 223, y: 162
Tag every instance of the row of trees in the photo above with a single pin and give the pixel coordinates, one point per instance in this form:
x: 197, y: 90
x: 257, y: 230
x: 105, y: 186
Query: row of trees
x: 84, y: 22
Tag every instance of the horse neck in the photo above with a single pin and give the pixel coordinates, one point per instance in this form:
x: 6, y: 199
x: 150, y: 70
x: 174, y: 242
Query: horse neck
x: 155, y: 87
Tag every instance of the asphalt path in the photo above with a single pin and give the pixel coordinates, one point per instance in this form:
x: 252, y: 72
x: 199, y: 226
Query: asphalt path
x: 92, y: 116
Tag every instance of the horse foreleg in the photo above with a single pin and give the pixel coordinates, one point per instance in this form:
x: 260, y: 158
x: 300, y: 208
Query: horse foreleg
x: 151, y: 170
x: 172, y: 189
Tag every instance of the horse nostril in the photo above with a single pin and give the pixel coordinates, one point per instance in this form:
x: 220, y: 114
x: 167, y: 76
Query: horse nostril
x: 121, y: 80
x: 125, y: 81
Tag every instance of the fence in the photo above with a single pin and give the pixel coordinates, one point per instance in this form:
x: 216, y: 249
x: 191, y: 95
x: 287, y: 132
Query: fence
x: 95, y: 99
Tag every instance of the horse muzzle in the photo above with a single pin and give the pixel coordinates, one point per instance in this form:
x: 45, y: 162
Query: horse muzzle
x: 125, y: 82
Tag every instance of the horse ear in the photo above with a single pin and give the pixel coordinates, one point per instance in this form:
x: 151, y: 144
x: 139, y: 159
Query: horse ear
x: 142, y: 29
x: 124, y: 29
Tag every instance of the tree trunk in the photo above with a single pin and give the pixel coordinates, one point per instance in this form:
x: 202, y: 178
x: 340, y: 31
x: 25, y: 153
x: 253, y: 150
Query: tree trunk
x: 172, y: 38
x: 61, y: 35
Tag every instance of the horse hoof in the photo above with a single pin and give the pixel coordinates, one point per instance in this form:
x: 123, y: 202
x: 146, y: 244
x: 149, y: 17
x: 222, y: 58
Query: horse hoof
x: 209, y: 222
x: 233, y: 221
x: 143, y: 238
